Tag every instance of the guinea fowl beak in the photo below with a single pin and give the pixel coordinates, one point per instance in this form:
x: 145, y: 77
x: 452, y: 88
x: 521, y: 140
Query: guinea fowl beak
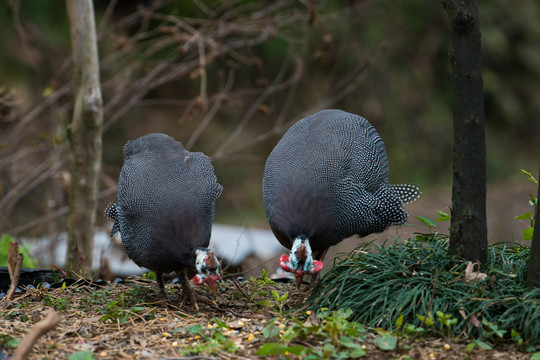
x: 299, y: 276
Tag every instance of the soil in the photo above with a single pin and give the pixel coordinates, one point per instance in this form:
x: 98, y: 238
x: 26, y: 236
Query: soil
x: 125, y: 320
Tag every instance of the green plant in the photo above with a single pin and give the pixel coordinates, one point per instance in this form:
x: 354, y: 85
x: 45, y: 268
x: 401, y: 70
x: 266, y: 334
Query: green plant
x: 257, y: 288
x: 432, y: 223
x: 8, y: 341
x: 116, y: 311
x: 338, y: 337
x: 530, y: 215
x: 207, y: 341
x: 280, y: 301
x: 59, y: 304
x: 477, y: 343
x: 381, y: 283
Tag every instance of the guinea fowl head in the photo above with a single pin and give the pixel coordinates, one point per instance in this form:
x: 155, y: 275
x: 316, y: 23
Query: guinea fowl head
x: 300, y: 261
x: 209, y: 271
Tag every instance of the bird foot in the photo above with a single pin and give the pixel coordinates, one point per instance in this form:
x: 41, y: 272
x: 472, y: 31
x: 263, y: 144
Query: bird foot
x: 193, y: 298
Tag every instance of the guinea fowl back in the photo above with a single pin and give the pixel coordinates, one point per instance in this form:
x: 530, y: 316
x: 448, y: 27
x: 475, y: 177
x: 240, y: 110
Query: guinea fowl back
x: 327, y: 179
x: 165, y: 202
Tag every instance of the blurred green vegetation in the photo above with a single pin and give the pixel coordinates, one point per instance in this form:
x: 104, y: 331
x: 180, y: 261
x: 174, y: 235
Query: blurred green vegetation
x: 5, y: 240
x: 400, y: 48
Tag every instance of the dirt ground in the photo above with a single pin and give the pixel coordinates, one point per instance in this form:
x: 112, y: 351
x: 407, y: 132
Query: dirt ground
x: 125, y: 321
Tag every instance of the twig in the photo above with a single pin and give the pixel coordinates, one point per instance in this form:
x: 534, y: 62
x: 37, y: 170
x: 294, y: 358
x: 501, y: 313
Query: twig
x: 13, y: 253
x: 240, y: 289
x: 50, y: 322
x: 210, y: 115
x: 15, y: 261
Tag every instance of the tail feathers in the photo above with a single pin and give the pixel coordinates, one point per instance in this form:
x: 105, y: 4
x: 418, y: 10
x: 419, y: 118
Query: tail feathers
x: 407, y: 193
x: 111, y: 211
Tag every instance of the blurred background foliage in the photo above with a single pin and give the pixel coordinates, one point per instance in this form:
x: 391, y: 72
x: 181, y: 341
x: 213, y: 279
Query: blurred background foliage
x: 260, y: 65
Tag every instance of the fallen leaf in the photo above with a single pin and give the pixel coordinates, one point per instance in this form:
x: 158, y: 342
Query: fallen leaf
x: 471, y: 276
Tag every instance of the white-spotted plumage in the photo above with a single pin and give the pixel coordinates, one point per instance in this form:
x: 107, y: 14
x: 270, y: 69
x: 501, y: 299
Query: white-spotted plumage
x: 327, y: 179
x: 164, y: 205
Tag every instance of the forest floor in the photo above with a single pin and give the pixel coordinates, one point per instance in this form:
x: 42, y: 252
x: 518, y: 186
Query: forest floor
x: 123, y: 320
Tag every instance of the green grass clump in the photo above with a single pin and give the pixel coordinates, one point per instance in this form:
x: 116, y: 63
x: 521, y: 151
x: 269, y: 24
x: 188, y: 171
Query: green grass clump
x: 394, y: 286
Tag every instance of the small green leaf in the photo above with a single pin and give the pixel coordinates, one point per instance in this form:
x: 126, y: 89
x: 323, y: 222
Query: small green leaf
x: 270, y: 330
x: 289, y: 334
x: 271, y: 349
x: 535, y: 356
x: 528, y: 233
x: 399, y: 321
x: 470, y: 347
x: 195, y: 329
x: 297, y: 350
x: 265, y: 303
x: 386, y: 341
x: 427, y: 320
x: 443, y: 216
x: 356, y: 353
x: 531, y: 178
x: 412, y: 328
x: 12, y: 342
x: 81, y: 355
x: 446, y: 319
x: 525, y: 216
x: 275, y: 294
x: 516, y: 336
x: 427, y: 221
x: 483, y: 345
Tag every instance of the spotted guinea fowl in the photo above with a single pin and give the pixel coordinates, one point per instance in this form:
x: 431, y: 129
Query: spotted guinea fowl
x: 326, y: 180
x: 164, y: 210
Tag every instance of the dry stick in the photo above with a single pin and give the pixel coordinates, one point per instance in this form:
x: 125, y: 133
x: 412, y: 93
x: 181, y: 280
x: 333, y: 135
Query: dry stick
x: 210, y: 115
x: 13, y: 253
x: 51, y: 320
x: 14, y: 281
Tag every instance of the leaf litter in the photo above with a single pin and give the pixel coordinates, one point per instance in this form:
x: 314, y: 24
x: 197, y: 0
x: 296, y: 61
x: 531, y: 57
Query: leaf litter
x: 125, y: 320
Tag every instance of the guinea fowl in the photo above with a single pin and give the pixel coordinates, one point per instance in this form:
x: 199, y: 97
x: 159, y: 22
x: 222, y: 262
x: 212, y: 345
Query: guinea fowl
x: 327, y: 180
x: 164, y: 210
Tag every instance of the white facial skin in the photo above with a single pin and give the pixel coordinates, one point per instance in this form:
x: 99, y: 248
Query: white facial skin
x: 200, y: 255
x: 309, y: 257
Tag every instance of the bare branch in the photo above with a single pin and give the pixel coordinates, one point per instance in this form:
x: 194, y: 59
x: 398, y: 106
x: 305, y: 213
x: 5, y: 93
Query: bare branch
x: 210, y: 115
x: 38, y: 330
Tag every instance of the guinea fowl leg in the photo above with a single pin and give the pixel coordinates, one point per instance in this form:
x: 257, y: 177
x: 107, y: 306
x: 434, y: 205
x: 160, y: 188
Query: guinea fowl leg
x: 187, y: 292
x: 160, y: 286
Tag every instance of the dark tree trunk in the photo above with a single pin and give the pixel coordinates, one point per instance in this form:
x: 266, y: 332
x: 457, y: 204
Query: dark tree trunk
x: 85, y: 137
x: 533, y: 275
x: 468, y: 230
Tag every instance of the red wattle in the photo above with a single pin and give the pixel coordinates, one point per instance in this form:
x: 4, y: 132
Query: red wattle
x: 317, y: 266
x: 283, y: 262
x: 198, y: 280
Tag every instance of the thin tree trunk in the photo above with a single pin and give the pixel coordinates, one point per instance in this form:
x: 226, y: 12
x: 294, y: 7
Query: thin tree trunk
x: 468, y: 230
x: 533, y: 275
x: 85, y: 136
